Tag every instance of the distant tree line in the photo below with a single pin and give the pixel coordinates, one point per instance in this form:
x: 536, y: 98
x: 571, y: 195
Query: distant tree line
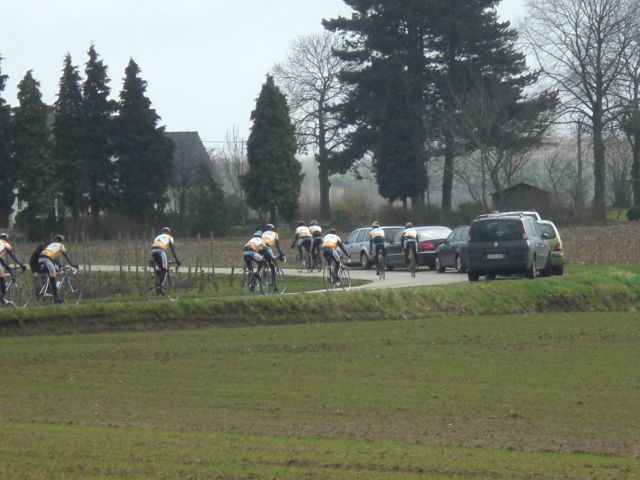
x: 88, y: 155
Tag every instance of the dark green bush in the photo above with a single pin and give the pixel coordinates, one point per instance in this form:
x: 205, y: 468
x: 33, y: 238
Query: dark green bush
x: 633, y: 213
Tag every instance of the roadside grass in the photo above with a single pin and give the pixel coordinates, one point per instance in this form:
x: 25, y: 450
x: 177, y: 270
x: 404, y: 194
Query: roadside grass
x: 535, y: 396
x: 582, y: 288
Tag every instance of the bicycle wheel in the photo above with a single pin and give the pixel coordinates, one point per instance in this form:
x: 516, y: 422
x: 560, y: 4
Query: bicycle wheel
x: 41, y: 294
x: 412, y: 263
x: 170, y: 287
x: 266, y: 282
x: 281, y: 286
x: 148, y: 285
x: 71, y: 293
x: 327, y: 279
x: 345, y: 279
x: 18, y: 294
x: 382, y: 265
x: 244, y: 281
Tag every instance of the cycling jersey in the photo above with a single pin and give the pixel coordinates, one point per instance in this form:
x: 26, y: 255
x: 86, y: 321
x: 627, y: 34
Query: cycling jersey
x: 270, y: 238
x: 409, y: 233
x: 376, y: 233
x: 53, y: 251
x: 163, y: 241
x: 330, y: 240
x: 303, y: 232
x: 4, y: 247
x: 255, y: 244
x: 316, y: 230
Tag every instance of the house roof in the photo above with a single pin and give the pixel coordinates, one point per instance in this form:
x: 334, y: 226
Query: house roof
x: 189, y: 153
x: 521, y: 186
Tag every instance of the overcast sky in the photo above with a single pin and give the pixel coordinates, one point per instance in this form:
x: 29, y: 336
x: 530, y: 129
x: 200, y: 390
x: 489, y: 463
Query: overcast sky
x: 204, y: 60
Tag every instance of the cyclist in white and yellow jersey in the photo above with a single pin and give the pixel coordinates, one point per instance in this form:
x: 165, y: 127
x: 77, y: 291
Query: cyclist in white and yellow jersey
x: 251, y: 253
x: 161, y: 244
x: 376, y: 240
x: 330, y: 245
x: 6, y: 249
x: 409, y: 239
x: 316, y: 234
x: 302, y: 237
x: 49, y: 262
x: 270, y: 239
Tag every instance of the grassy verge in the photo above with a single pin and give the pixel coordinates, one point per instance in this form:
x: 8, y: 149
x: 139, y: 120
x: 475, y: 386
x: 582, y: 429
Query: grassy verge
x: 539, y: 396
x: 583, y: 288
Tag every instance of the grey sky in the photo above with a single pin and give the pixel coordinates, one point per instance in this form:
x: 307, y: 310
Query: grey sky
x: 204, y: 60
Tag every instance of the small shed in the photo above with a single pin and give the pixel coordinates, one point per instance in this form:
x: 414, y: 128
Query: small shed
x: 522, y: 197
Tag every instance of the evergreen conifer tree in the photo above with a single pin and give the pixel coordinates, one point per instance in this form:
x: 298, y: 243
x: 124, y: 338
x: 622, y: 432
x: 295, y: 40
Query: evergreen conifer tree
x: 69, y: 137
x: 8, y: 177
x: 144, y: 154
x: 33, y: 157
x: 273, y: 181
x: 97, y: 110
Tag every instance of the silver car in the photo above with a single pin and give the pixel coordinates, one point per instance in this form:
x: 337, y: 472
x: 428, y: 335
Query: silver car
x: 357, y: 244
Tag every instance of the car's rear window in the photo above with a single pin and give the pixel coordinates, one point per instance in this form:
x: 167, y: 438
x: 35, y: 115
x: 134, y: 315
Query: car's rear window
x: 433, y: 232
x: 548, y: 229
x: 495, y: 230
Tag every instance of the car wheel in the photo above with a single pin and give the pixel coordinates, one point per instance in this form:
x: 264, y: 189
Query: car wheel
x: 473, y: 276
x: 533, y: 271
x: 364, y: 261
x: 558, y: 270
x: 491, y: 276
x: 459, y: 267
x: 439, y: 267
x: 547, y: 270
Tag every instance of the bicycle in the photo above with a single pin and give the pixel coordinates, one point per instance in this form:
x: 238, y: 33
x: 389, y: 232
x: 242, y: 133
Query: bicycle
x: 67, y: 291
x: 412, y: 265
x: 17, y: 295
x: 258, y: 280
x: 168, y: 287
x: 317, y: 261
x: 341, y: 280
x: 306, y: 262
x: 381, y: 264
x: 280, y: 278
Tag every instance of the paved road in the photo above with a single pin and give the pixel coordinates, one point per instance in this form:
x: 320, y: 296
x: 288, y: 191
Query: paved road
x: 394, y: 279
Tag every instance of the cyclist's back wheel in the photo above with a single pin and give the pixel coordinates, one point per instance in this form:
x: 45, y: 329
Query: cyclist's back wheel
x: 244, y: 281
x: 266, y: 282
x: 412, y: 263
x: 281, y: 285
x: 170, y: 287
x: 41, y: 294
x: 326, y: 278
x: 345, y: 279
x: 381, y: 265
x: 308, y: 262
x: 18, y: 295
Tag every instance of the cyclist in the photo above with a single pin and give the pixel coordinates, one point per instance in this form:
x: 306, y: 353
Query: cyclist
x: 316, y: 234
x: 251, y: 253
x: 330, y: 245
x: 376, y: 241
x: 5, y: 248
x: 270, y: 238
x: 49, y: 262
x: 302, y: 237
x: 409, y: 241
x: 161, y: 244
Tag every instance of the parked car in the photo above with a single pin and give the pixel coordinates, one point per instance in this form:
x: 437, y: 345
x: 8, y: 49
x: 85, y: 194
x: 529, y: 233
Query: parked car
x: 453, y: 252
x: 526, y: 213
x: 357, y: 244
x: 506, y: 245
x: 555, y: 245
x: 428, y: 240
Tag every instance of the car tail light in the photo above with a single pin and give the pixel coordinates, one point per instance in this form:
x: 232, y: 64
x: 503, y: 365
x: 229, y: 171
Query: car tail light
x: 557, y: 247
x: 427, y: 246
x: 524, y: 232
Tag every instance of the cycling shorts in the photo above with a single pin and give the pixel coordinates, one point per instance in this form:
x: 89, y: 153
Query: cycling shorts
x: 267, y: 252
x: 47, y: 265
x: 251, y: 255
x: 304, y: 242
x: 331, y: 254
x: 410, y: 241
x: 160, y: 257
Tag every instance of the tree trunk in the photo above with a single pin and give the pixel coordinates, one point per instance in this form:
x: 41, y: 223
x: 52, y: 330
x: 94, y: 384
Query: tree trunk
x: 635, y: 169
x: 579, y: 180
x: 599, y: 169
x: 447, y: 174
x: 325, y: 186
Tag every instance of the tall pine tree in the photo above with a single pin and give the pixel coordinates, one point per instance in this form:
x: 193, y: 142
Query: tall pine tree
x: 144, y: 154
x: 33, y: 156
x: 273, y: 180
x: 97, y: 148
x: 8, y: 177
x: 69, y: 137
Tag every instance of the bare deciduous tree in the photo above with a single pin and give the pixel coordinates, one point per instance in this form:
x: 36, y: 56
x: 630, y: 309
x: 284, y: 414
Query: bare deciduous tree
x: 580, y: 46
x: 232, y: 161
x: 309, y: 79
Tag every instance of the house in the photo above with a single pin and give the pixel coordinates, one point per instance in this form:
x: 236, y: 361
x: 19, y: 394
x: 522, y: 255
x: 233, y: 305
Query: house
x: 522, y: 197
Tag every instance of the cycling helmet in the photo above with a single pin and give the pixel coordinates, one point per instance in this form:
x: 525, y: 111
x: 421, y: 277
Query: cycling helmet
x: 314, y: 222
x: 257, y: 234
x: 58, y: 238
x: 4, y: 236
x: 166, y: 230
x: 269, y: 226
x: 375, y: 225
x: 333, y: 230
x: 300, y: 223
x: 408, y: 225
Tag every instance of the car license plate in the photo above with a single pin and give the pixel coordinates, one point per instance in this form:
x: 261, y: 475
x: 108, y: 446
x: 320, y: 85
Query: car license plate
x: 495, y: 256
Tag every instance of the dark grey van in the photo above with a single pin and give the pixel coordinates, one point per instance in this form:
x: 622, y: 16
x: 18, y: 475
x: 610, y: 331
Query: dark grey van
x: 506, y: 245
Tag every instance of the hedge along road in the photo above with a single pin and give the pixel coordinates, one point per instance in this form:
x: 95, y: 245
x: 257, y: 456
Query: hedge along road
x: 394, y: 279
